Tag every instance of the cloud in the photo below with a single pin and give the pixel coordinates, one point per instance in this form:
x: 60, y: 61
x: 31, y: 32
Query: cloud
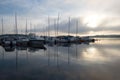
x: 36, y: 11
x: 64, y: 6
x: 82, y: 28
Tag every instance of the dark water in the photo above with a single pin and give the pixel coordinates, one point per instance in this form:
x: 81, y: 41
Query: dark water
x: 95, y: 61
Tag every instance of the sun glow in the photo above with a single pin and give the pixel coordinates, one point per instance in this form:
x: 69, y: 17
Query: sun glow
x: 92, y: 21
x: 93, y: 54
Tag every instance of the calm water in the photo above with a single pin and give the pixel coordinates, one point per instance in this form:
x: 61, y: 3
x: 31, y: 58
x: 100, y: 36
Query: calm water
x: 94, y: 61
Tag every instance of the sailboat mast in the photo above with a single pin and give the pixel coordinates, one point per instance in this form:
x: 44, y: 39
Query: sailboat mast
x: 16, y: 27
x: 2, y: 26
x: 30, y: 27
x: 69, y: 26
x: 48, y: 26
x: 76, y: 27
x: 57, y: 23
x: 26, y: 28
x: 55, y: 26
x: 34, y: 29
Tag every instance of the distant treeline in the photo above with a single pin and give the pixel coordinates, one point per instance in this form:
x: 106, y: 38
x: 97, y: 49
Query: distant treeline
x: 107, y: 36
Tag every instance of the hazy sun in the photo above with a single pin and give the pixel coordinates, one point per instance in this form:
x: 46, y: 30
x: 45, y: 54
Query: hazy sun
x: 92, y: 21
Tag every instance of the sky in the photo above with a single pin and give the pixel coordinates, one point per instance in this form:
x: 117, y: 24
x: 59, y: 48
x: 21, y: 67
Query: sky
x: 94, y: 17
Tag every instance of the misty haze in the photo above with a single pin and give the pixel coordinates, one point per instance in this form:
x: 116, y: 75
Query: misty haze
x: 59, y: 40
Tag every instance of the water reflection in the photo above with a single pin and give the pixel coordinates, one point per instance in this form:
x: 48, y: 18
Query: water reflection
x: 93, y: 54
x: 16, y: 59
x: 9, y: 48
x: 2, y: 52
x: 96, y: 61
x: 12, y: 48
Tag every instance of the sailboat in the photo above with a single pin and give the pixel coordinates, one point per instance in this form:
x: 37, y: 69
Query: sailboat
x: 65, y: 39
x: 2, y: 31
x: 23, y: 39
x: 8, y: 40
x: 36, y: 42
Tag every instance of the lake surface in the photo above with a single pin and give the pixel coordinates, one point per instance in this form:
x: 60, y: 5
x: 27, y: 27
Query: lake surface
x: 94, y: 61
